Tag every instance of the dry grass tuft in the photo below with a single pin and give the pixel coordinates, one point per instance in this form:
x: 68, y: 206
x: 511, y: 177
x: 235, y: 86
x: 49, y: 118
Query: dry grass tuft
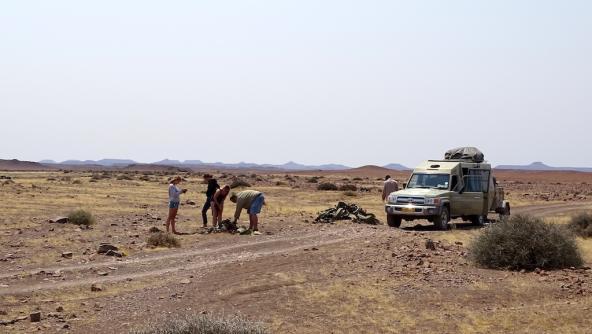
x: 203, y: 324
x: 81, y: 217
x: 162, y: 239
x: 581, y: 225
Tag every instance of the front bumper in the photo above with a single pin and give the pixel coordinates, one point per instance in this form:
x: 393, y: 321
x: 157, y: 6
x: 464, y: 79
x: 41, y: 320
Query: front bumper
x: 412, y: 210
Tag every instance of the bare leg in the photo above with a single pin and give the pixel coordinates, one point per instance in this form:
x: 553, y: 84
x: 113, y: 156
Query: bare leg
x: 215, y: 216
x: 169, y: 218
x: 253, y: 220
x: 173, y: 217
x: 219, y: 216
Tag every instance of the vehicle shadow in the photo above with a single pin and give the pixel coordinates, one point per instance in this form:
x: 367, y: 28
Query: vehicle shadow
x: 451, y: 226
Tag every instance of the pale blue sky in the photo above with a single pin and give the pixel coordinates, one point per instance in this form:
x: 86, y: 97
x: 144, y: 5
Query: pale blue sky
x: 352, y: 82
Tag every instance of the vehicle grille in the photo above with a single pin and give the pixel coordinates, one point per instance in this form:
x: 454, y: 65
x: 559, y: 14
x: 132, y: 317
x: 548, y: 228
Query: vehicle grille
x: 410, y: 200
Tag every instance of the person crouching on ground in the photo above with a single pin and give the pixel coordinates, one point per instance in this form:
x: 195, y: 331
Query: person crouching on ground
x: 174, y: 201
x: 212, y: 187
x: 251, y: 200
x: 218, y: 205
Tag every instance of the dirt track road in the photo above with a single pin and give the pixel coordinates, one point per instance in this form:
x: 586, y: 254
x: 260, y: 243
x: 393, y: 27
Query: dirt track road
x: 235, y: 272
x: 204, y: 256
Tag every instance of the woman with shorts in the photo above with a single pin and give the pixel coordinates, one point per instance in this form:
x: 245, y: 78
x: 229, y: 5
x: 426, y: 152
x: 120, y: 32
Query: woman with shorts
x: 174, y: 201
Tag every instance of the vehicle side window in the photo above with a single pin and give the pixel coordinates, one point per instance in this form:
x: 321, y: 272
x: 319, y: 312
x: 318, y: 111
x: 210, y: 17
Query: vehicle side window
x: 477, y: 181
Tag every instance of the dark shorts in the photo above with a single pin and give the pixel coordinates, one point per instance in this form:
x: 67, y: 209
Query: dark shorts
x: 173, y: 205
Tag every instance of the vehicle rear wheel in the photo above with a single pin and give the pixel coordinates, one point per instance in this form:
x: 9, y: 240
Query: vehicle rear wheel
x: 441, y: 221
x: 478, y: 220
x: 393, y: 221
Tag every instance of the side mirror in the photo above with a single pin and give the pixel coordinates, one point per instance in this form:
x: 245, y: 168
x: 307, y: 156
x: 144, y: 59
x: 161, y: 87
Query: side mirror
x: 404, y: 185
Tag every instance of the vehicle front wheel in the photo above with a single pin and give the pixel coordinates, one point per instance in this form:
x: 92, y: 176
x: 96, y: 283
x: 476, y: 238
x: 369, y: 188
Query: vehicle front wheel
x: 441, y: 221
x: 393, y: 221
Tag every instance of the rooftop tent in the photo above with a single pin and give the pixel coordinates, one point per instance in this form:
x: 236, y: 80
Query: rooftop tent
x: 472, y: 154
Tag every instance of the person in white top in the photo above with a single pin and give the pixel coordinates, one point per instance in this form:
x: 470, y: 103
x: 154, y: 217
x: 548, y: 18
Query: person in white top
x: 390, y: 186
x: 174, y: 200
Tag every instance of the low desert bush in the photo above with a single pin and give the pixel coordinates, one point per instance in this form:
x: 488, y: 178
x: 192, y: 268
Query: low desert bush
x: 581, y: 225
x: 162, y: 239
x: 203, y: 324
x: 313, y: 179
x: 81, y: 217
x: 525, y: 242
x: 124, y: 177
x: 327, y: 186
x: 348, y: 187
x: 350, y: 193
x: 76, y: 182
x: 238, y: 183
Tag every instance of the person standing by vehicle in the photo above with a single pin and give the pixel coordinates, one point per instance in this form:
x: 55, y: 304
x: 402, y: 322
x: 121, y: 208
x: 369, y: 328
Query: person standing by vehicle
x: 251, y: 200
x: 174, y: 200
x: 212, y: 187
x: 218, y: 205
x: 390, y: 186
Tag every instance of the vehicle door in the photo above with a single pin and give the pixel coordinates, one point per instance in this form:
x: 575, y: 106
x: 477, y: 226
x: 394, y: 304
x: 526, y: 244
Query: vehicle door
x: 476, y: 185
x: 457, y: 200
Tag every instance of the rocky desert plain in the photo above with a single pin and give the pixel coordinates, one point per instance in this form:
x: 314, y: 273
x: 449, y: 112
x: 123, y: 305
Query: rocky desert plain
x: 297, y: 277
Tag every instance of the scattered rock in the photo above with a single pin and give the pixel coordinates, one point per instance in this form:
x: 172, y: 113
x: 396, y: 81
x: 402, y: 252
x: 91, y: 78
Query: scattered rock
x: 60, y: 308
x: 106, y: 247
x: 114, y: 253
x: 96, y: 287
x: 102, y: 273
x: 67, y: 255
x: 429, y: 244
x: 59, y: 220
x: 154, y: 229
x: 35, y: 316
x: 185, y: 281
x: 190, y: 202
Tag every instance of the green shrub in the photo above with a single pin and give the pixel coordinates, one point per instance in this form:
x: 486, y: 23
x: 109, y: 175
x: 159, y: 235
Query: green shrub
x: 327, y: 186
x: 81, y: 217
x: 581, y: 224
x: 162, y: 239
x: 525, y: 242
x: 203, y: 324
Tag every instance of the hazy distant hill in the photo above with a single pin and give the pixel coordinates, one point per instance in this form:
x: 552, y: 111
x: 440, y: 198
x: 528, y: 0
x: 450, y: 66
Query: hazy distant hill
x: 396, y: 167
x: 539, y: 166
x: 17, y: 165
x: 291, y: 165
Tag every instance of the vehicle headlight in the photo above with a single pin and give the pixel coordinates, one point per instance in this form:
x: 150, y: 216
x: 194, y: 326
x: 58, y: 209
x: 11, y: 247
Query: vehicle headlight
x: 432, y: 201
x: 392, y: 198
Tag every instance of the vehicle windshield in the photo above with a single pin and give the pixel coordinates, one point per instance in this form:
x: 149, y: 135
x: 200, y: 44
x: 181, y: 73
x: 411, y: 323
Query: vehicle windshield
x: 437, y: 181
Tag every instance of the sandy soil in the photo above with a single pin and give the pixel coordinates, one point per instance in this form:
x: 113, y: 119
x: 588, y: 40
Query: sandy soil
x: 298, y: 277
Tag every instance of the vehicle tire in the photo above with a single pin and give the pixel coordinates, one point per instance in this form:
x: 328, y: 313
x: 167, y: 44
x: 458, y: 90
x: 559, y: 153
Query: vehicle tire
x: 393, y: 221
x: 441, y: 221
x: 478, y: 220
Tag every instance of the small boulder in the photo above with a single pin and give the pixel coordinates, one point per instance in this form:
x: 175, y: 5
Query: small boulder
x: 67, y: 255
x: 59, y: 220
x: 429, y: 244
x: 105, y: 247
x: 96, y: 287
x: 35, y: 316
x: 60, y: 308
x: 114, y: 253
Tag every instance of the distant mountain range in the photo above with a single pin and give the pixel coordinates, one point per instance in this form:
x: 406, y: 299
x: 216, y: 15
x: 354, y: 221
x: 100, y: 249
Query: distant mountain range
x: 539, y: 166
x: 291, y: 165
